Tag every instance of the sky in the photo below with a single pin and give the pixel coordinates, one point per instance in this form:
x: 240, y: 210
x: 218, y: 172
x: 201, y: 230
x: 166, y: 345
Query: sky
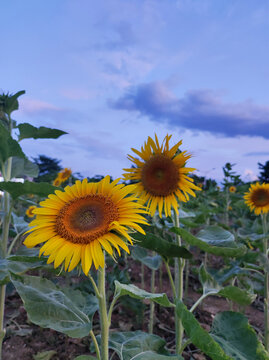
x: 112, y: 73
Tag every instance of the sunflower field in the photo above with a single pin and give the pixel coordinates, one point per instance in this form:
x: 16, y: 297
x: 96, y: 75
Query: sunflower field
x: 156, y: 265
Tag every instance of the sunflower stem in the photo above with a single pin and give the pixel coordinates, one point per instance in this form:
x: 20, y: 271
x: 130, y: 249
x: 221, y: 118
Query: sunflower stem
x: 103, y: 313
x: 179, y: 269
x: 152, y: 304
x: 6, y: 171
x: 171, y: 280
x: 266, y: 286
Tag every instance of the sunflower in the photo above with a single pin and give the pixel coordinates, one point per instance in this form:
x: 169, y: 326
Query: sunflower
x: 78, y: 223
x: 65, y: 174
x: 200, y: 185
x: 257, y: 198
x: 29, y: 212
x: 161, y: 176
x: 57, y: 182
x: 232, y: 189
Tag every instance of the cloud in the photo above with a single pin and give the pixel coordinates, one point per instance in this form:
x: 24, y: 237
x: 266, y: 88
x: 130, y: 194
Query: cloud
x: 202, y: 110
x: 257, y: 153
x: 33, y: 106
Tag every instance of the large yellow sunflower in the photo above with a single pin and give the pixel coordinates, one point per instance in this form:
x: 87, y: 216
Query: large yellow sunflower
x: 257, y: 198
x: 161, y: 176
x: 78, y: 223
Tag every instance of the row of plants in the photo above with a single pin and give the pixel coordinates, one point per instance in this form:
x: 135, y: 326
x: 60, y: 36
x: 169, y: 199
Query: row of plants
x: 157, y: 213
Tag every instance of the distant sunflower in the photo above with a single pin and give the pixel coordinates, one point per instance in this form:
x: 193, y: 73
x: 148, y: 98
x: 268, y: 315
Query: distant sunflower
x: 200, y: 185
x: 57, y: 182
x: 29, y: 212
x: 78, y: 223
x: 232, y: 189
x: 257, y: 198
x: 161, y: 176
x: 65, y: 174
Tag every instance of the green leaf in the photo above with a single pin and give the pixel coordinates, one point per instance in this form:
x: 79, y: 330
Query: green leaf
x: 139, y: 346
x: 140, y: 254
x: 23, y: 167
x: 30, y: 131
x: 240, y: 296
x: 8, y: 146
x: 17, y: 189
x: 210, y: 285
x: 45, y: 355
x: 135, y: 292
x: 199, y: 337
x: 19, y: 223
x: 213, y: 246
x: 161, y: 246
x: 67, y: 311
x: 215, y: 235
x: 85, y: 357
x: 237, y: 338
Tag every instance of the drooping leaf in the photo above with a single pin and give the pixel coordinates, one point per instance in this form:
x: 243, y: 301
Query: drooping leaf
x: 23, y: 167
x: 45, y: 355
x: 30, y: 131
x: 8, y: 146
x: 140, y: 254
x: 17, y: 189
x: 237, y: 338
x: 135, y: 292
x: 161, y: 246
x: 211, y: 246
x: 200, y: 337
x: 215, y: 235
x: 69, y: 312
x: 139, y: 345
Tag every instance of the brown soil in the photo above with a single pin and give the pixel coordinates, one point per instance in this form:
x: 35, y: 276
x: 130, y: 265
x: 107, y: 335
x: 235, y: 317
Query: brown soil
x: 36, y: 339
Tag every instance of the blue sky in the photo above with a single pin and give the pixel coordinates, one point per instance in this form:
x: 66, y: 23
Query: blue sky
x: 111, y: 73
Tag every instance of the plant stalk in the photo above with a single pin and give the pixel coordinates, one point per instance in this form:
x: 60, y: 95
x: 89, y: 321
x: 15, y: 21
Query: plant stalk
x: 103, y: 314
x: 179, y: 269
x: 266, y: 287
x: 152, y: 304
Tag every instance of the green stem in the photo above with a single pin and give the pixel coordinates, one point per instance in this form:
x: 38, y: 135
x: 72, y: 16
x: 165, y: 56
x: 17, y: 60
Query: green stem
x: 186, y: 343
x: 94, y: 287
x: 194, y: 306
x: 152, y: 304
x: 266, y: 288
x: 103, y: 314
x: 14, y: 242
x: 179, y: 269
x: 113, y: 302
x: 161, y: 278
x: 171, y: 280
x: 95, y: 345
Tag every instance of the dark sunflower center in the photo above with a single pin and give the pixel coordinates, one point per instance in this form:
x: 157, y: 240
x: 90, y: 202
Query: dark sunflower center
x: 160, y: 176
x: 260, y: 197
x: 84, y: 219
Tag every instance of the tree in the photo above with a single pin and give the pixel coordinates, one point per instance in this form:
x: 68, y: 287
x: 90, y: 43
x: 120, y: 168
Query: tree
x: 264, y: 173
x: 48, y: 168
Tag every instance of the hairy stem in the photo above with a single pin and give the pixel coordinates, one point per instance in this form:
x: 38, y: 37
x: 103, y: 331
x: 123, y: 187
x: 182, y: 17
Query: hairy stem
x: 103, y: 314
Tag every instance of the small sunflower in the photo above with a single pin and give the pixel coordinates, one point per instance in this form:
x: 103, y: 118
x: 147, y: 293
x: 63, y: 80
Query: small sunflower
x: 78, y: 223
x: 57, y: 182
x: 232, y: 189
x: 161, y: 176
x: 200, y: 185
x: 257, y: 198
x: 65, y: 174
x: 29, y: 212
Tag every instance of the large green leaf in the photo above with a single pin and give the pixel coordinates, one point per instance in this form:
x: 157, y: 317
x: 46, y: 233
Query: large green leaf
x: 213, y: 246
x: 23, y: 167
x: 19, y: 223
x: 17, y: 189
x: 215, y: 235
x: 161, y: 246
x: 30, y: 131
x: 199, y: 337
x: 210, y: 285
x: 135, y: 292
x: 237, y: 338
x: 8, y: 146
x: 140, y: 254
x: 18, y: 264
x: 67, y: 311
x: 139, y: 346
